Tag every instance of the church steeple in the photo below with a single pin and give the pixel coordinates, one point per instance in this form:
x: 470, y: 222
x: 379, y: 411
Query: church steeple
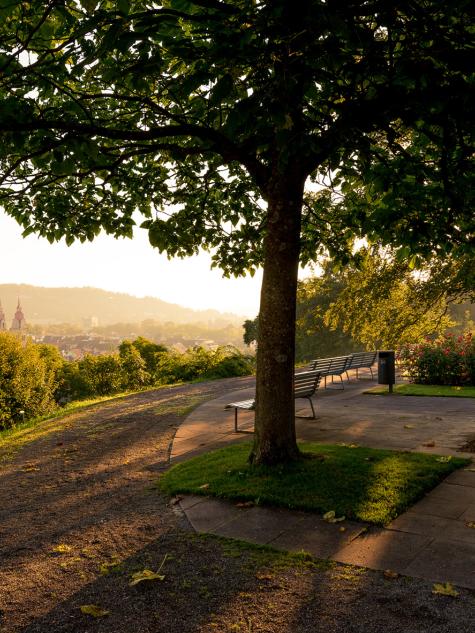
x: 3, y: 325
x: 18, y: 322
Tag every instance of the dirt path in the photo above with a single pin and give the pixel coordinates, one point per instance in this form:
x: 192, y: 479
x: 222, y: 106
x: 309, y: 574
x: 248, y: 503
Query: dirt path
x: 81, y: 497
x: 79, y: 515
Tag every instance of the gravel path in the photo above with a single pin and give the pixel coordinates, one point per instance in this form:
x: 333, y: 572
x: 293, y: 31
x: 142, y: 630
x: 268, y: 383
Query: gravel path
x: 79, y: 514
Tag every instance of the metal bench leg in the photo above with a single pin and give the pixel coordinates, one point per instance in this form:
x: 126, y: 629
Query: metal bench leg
x: 313, y: 410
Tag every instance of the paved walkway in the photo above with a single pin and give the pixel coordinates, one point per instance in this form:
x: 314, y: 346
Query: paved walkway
x: 432, y: 540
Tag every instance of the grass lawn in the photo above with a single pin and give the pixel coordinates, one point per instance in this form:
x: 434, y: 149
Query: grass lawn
x: 409, y: 389
x: 359, y: 483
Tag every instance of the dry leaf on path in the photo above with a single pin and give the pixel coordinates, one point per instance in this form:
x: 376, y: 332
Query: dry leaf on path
x: 390, y: 574
x: 204, y: 486
x: 409, y: 426
x: 330, y: 517
x: 145, y: 574
x: 445, y: 589
x: 93, y: 610
x: 62, y: 548
x: 470, y: 524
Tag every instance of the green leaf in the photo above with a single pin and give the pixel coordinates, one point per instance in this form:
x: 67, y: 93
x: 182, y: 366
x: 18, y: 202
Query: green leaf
x: 221, y: 90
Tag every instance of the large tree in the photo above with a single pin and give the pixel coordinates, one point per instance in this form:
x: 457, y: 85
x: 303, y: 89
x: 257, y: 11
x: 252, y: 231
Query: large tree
x: 208, y: 117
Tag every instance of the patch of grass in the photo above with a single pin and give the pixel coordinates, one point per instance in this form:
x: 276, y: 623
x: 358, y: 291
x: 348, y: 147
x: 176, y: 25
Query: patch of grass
x: 409, y: 389
x: 360, y: 483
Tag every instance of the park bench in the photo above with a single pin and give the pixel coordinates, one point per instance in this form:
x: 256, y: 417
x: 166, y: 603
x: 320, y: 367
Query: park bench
x: 305, y: 385
x: 362, y: 360
x: 331, y: 367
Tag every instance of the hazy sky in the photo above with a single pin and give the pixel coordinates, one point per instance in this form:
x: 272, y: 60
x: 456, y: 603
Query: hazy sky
x: 130, y: 266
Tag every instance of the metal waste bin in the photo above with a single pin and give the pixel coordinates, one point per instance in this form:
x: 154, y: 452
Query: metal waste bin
x: 386, y: 369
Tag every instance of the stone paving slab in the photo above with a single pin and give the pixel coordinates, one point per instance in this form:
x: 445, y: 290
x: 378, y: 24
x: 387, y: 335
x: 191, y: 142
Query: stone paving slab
x: 259, y: 525
x: 383, y: 549
x: 432, y: 540
x: 319, y: 538
x: 445, y: 561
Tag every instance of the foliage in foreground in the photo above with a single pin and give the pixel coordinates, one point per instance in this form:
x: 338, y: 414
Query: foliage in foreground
x: 360, y: 483
x: 35, y: 379
x: 448, y: 360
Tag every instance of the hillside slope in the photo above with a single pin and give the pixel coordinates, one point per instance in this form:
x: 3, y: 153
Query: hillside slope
x: 72, y: 305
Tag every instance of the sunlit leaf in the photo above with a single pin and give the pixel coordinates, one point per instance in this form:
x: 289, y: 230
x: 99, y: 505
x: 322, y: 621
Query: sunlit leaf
x: 145, y: 574
x: 62, y: 548
x: 93, y: 610
x: 445, y: 589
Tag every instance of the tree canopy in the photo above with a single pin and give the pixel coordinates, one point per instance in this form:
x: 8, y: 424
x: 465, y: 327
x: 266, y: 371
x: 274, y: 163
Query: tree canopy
x: 207, y: 118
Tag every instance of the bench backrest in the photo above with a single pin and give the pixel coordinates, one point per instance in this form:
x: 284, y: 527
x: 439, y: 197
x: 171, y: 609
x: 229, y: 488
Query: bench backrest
x: 362, y: 359
x: 330, y: 366
x: 306, y: 383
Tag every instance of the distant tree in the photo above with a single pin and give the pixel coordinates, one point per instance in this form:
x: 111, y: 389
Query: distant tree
x: 209, y: 116
x: 384, y: 303
x: 149, y: 351
x: 251, y: 331
x: 134, y: 366
x: 315, y: 337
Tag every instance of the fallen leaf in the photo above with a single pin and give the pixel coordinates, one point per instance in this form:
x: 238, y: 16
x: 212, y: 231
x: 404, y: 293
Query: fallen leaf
x: 390, y: 574
x: 245, y: 504
x: 445, y: 589
x: 145, y: 574
x: 204, y: 486
x: 409, y: 426
x: 429, y: 444
x: 444, y: 458
x: 93, y: 610
x: 62, y: 548
x: 470, y: 524
x: 342, y: 528
x: 330, y: 517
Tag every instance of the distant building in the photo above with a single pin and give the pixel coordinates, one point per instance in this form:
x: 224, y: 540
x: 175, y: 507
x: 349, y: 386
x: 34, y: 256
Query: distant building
x: 3, y: 324
x: 18, y: 321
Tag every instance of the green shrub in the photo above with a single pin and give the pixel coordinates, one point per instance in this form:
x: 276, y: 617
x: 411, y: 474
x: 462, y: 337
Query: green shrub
x: 198, y: 362
x: 29, y: 376
x: 449, y: 360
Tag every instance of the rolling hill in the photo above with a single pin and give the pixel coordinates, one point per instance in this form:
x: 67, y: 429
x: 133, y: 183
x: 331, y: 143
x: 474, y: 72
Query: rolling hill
x: 73, y: 305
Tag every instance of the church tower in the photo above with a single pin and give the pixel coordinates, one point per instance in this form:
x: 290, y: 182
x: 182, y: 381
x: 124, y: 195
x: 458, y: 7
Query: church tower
x: 18, y: 322
x: 3, y: 325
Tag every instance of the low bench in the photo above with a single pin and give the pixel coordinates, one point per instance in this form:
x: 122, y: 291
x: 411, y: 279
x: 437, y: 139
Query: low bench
x: 331, y: 367
x: 340, y: 365
x: 362, y: 360
x: 305, y: 385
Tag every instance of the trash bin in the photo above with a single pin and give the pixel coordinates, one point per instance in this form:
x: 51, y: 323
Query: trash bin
x: 386, y: 368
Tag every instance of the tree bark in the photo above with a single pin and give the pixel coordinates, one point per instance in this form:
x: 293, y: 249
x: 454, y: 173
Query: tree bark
x: 275, y: 439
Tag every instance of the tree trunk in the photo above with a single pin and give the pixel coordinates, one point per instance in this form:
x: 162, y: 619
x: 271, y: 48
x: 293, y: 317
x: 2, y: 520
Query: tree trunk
x: 275, y: 440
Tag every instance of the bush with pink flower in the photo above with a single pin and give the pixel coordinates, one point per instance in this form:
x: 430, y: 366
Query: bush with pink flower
x: 447, y: 360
